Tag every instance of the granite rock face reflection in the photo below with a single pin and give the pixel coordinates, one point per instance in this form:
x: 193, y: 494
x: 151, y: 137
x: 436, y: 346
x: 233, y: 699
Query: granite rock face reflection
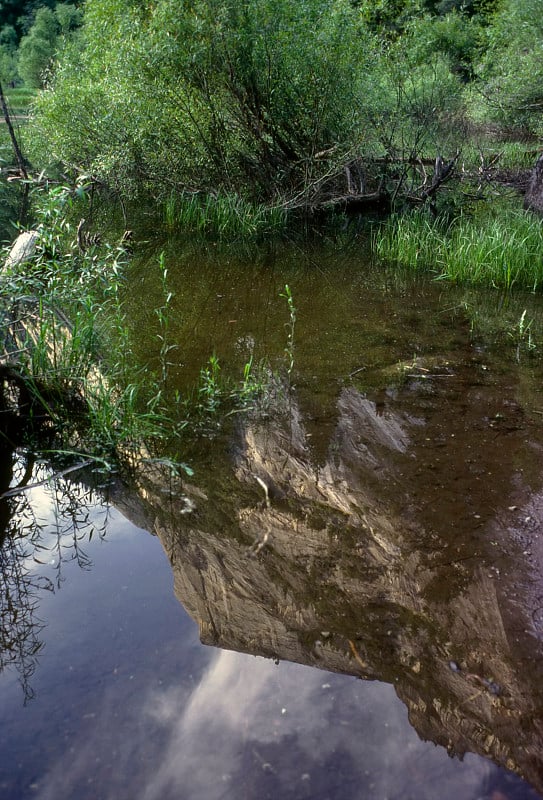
x: 397, y: 542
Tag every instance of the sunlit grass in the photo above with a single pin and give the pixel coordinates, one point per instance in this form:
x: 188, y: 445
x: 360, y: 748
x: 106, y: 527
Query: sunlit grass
x: 495, y: 155
x: 222, y: 215
x: 500, y: 247
x: 19, y: 99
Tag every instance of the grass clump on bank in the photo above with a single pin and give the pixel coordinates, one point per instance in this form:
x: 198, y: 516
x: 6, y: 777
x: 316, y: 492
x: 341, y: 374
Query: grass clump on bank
x: 496, y: 246
x: 20, y: 99
x: 69, y: 373
x: 223, y: 215
x: 66, y: 357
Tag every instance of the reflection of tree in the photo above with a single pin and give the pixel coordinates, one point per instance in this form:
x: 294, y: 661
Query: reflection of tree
x: 38, y: 536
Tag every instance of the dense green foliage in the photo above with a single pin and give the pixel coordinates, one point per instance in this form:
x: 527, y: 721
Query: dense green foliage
x: 266, y: 98
x: 210, y: 95
x: 216, y: 106
x: 32, y: 35
x: 510, y: 85
x: 8, y: 54
x: 19, y: 14
x: 44, y: 40
x: 225, y: 215
x: 71, y: 304
x: 272, y: 99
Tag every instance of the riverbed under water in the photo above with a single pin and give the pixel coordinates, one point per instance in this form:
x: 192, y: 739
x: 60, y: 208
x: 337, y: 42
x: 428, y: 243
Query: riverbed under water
x: 360, y: 554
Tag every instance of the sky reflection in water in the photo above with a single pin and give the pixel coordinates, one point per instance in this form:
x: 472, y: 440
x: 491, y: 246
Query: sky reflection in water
x: 264, y: 731
x: 129, y: 705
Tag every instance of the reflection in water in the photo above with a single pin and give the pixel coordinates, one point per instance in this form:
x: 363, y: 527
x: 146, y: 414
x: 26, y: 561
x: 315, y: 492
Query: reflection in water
x: 45, y: 524
x: 332, y: 586
x: 250, y: 728
x: 382, y: 524
x: 409, y: 553
x: 300, y: 738
x: 398, y: 534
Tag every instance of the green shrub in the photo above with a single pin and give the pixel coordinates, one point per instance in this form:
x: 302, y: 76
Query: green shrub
x: 259, y: 98
x: 510, y: 74
x: 41, y: 44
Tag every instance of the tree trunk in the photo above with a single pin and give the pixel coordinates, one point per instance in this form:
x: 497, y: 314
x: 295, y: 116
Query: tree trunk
x: 16, y: 149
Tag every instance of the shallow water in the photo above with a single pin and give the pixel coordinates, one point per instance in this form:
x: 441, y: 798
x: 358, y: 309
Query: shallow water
x: 378, y: 518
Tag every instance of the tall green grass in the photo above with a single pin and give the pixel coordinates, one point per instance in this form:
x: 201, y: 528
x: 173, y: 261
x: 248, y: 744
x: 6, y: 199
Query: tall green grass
x: 67, y: 341
x: 222, y: 215
x: 494, y: 246
x: 66, y: 337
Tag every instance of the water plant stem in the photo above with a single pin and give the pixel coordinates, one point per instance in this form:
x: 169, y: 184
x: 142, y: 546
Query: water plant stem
x: 290, y: 326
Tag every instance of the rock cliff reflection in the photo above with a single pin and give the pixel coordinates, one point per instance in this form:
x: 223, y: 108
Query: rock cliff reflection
x: 400, y: 543
x: 395, y: 539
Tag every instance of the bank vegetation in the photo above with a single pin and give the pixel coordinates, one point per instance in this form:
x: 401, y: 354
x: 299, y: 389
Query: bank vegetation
x: 236, y: 117
x: 307, y: 105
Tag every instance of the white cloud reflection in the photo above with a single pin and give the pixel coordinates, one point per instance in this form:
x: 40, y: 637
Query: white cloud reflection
x: 252, y: 729
x: 250, y: 725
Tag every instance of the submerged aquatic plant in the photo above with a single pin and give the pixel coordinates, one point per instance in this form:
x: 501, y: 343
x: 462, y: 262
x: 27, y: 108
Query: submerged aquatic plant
x: 217, y: 393
x: 163, y: 316
x: 290, y: 326
x: 522, y: 335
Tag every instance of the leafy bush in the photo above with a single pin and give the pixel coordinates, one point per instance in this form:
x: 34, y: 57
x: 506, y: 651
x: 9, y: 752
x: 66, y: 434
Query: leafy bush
x: 260, y: 97
x: 39, y: 47
x: 510, y: 87
x: 455, y: 36
x: 8, y: 54
x: 209, y: 94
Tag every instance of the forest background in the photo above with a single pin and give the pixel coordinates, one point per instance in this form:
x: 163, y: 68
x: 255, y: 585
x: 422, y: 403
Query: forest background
x: 287, y: 104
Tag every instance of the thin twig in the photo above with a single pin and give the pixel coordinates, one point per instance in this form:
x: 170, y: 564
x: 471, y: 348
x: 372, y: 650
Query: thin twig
x: 20, y: 489
x: 355, y: 653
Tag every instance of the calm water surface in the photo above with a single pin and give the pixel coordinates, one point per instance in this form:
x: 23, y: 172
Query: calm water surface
x: 361, y: 557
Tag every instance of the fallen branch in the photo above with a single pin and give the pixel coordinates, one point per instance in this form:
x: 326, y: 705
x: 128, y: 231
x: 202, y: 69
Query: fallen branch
x: 21, y: 489
x: 442, y: 173
x: 357, y: 202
